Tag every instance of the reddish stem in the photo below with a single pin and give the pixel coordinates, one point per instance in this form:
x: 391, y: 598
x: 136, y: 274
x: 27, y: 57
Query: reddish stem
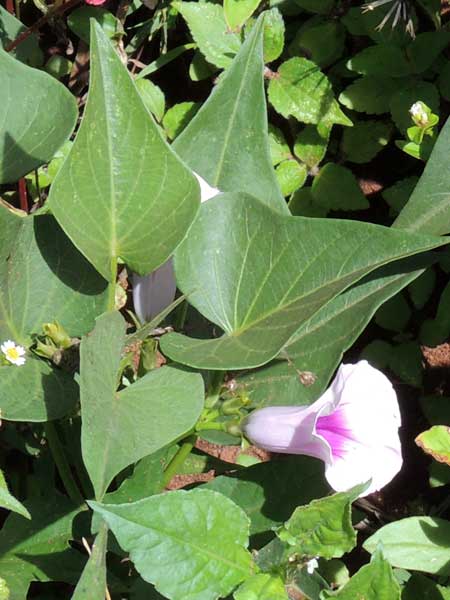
x: 10, y: 6
x: 23, y: 194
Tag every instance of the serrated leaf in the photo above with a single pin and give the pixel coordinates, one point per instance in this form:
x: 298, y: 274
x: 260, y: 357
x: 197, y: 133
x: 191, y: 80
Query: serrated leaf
x: 301, y: 90
x: 92, y: 583
x: 336, y: 188
x: 48, y: 112
x: 244, y: 283
x: 44, y: 278
x: 260, y: 491
x: 369, y: 94
x: 8, y: 501
x: 311, y: 144
x: 374, y: 581
x: 120, y: 427
x: 121, y: 192
x: 428, y: 209
x: 380, y: 60
x: 262, y: 587
x: 362, y: 142
x: 232, y: 153
x: 417, y: 543
x: 202, y: 532
x: 28, y: 50
x: 406, y: 96
x: 236, y: 12
x: 206, y: 22
x: 38, y: 550
x: 436, y: 441
x: 323, y: 527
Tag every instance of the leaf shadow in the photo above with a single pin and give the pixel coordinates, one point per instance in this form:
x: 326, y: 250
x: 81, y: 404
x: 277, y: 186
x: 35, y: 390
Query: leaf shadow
x: 438, y: 537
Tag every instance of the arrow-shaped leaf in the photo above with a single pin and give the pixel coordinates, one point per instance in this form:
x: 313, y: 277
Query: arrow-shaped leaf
x: 122, y: 192
x: 262, y: 279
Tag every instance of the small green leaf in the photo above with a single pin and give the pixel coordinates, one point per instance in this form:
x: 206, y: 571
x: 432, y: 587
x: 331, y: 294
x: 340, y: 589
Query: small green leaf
x: 79, y: 22
x: 28, y: 50
x: 4, y: 590
x: 206, y: 22
x: 380, y: 60
x: 421, y: 289
x: 321, y: 40
x: 244, y: 284
x: 273, y: 40
x: 262, y: 587
x: 236, y: 12
x: 436, y: 441
x: 178, y: 118
x: 301, y: 90
x: 120, y: 427
x: 48, y: 112
x: 394, y: 314
x: 8, y: 501
x: 374, y: 581
x: 291, y: 175
x: 200, y: 68
x: 92, y: 583
x: 417, y: 543
x: 336, y: 188
x: 279, y: 150
x: 424, y: 588
x: 202, y: 532
x: 106, y: 199
x: 406, y: 362
x: 311, y: 144
x: 58, y: 66
x: 425, y: 48
x: 369, y: 94
x: 152, y: 96
x: 406, y: 96
x: 397, y: 195
x: 362, y: 142
x: 232, y: 152
x: 323, y: 527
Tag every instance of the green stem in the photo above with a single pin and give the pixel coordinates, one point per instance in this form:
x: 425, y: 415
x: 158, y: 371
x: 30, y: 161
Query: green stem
x: 62, y: 464
x: 177, y: 461
x: 112, y: 286
x: 213, y: 392
x: 210, y: 425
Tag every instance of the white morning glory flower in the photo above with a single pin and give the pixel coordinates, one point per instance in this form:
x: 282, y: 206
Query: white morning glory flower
x: 352, y: 427
x: 13, y: 353
x: 153, y: 293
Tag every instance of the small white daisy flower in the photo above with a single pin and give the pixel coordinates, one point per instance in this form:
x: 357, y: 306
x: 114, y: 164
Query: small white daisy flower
x: 14, y: 353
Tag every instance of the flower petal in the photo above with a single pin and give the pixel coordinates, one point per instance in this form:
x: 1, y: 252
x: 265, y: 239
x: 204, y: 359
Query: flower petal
x: 153, y: 293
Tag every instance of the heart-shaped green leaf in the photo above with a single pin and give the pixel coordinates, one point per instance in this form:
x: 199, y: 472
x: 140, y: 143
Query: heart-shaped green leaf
x: 44, y: 278
x: 122, y: 192
x: 232, y: 152
x: 48, y: 112
x: 120, y: 427
x: 201, y: 532
x: 262, y: 280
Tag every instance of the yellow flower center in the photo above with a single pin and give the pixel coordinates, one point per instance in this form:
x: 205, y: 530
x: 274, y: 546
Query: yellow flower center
x: 12, y: 353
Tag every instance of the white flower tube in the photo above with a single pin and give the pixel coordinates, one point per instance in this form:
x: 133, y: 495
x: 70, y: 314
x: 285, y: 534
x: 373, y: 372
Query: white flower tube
x: 352, y: 427
x: 155, y: 292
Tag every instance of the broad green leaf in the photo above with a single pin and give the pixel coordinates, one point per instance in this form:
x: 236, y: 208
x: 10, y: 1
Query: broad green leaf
x: 362, y: 142
x: 120, y: 427
x: 336, y: 188
x: 28, y: 51
x: 48, y: 112
x: 374, y: 581
x: 261, y: 490
x: 428, y: 209
x: 424, y: 588
x: 8, y: 501
x: 405, y: 96
x: 318, y: 345
x: 201, y: 532
x: 436, y: 441
x: 206, y: 22
x: 369, y: 94
x: 323, y: 527
x: 36, y: 392
x: 236, y: 12
x: 380, y: 60
x: 92, y: 583
x: 44, y: 278
x: 232, y: 153
x: 262, y: 587
x: 417, y: 543
x: 122, y: 192
x: 153, y: 97
x: 38, y: 550
x: 301, y: 90
x: 243, y: 283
